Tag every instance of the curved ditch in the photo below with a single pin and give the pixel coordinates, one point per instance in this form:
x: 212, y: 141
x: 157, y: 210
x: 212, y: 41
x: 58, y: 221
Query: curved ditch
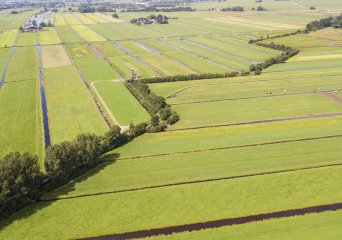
x: 47, y: 137
x: 6, y: 68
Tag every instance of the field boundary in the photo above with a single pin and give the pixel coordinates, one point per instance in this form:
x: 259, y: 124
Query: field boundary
x: 219, y: 223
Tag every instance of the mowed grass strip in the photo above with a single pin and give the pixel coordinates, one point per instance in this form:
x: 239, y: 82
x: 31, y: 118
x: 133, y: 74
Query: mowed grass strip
x: 309, y: 227
x: 54, y: 56
x: 96, y: 69
x: 166, y: 65
x: 170, y: 206
x: 88, y: 34
x: 48, y: 36
x: 27, y: 39
x: 122, y: 104
x: 7, y: 38
x: 69, y: 35
x: 126, y: 63
x: 71, y: 108
x: 173, y: 142
x: 199, y: 166
x: 230, y: 112
x: 24, y: 65
x: 80, y: 50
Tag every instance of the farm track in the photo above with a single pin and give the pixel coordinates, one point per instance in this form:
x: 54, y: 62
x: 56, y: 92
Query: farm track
x: 255, y: 97
x: 326, y: 115
x: 219, y: 223
x: 190, y: 182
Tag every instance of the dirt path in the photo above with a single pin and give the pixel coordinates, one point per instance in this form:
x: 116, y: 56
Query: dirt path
x: 326, y: 115
x: 219, y: 223
x: 333, y: 96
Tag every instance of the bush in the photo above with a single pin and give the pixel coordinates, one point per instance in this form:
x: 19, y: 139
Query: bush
x: 137, y: 130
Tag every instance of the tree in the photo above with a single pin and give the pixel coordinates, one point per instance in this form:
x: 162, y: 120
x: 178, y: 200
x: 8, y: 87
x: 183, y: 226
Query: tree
x: 115, y: 15
x: 113, y: 138
x: 312, y: 8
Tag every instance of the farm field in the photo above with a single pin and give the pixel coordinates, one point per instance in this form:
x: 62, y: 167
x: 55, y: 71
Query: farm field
x: 250, y: 154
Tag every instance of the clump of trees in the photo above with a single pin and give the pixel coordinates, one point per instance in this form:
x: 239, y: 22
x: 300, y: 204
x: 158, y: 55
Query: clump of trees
x: 190, y: 77
x: 115, y: 15
x: 156, y: 19
x: 233, y: 9
x: 155, y: 9
x: 86, y: 8
x: 260, y: 9
x: 331, y: 21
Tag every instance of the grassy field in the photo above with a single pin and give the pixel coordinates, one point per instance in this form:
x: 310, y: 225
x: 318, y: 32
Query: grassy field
x: 59, y: 20
x: 8, y: 38
x: 80, y: 50
x: 84, y: 19
x: 305, y: 65
x: 96, y: 69
x: 54, y: 56
x: 20, y: 100
x: 4, y: 57
x: 69, y: 35
x: 170, y: 206
x: 311, y: 227
x: 71, y: 19
x: 27, y: 39
x: 121, y: 103
x: 48, y: 37
x: 88, y: 34
x: 108, y: 50
x: 71, y: 108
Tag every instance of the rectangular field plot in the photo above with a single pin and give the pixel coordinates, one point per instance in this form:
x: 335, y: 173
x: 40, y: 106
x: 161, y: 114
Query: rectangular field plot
x: 319, y: 55
x: 69, y: 35
x: 95, y: 18
x: 21, y: 121
x: 27, y: 39
x: 71, y: 19
x: 96, y: 69
x: 230, y: 112
x: 59, y: 20
x: 84, y: 19
x: 121, y: 103
x: 300, y: 41
x: 126, y: 63
x: 71, y: 109
x: 309, y: 227
x: 170, y: 206
x: 121, y: 31
x: 108, y: 18
x: 165, y: 65
x: 4, y: 57
x: 80, y: 50
x: 108, y: 50
x: 48, y: 37
x: 134, y: 48
x: 8, y: 38
x: 54, y: 56
x: 24, y: 65
x: 88, y: 34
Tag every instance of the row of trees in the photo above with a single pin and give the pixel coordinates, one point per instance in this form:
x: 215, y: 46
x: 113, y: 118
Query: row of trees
x: 233, y: 9
x: 158, y: 19
x: 324, y: 23
x: 164, y: 9
x: 86, y: 8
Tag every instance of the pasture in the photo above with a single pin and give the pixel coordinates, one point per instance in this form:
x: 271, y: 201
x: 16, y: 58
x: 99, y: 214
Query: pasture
x: 48, y: 37
x: 88, y: 34
x: 54, y: 56
x: 8, y: 38
x: 69, y: 35
x: 27, y: 39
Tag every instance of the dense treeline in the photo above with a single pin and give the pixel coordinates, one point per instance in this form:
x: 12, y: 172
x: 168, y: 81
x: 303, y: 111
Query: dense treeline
x: 189, y: 77
x: 85, y: 8
x: 157, y: 19
x: 161, y: 113
x: 324, y: 23
x: 233, y: 9
x: 287, y: 53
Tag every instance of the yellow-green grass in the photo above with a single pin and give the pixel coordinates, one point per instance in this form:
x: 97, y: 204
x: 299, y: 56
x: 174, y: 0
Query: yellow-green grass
x: 166, y: 65
x: 54, y: 56
x: 27, y: 39
x: 68, y: 34
x: 197, y: 166
x: 8, y: 38
x: 159, y: 46
x: 212, y: 55
x: 71, y: 109
x: 88, y: 34
x: 300, y: 41
x: 95, y: 18
x: 231, y: 90
x: 59, y: 20
x: 120, y: 31
x: 84, y: 19
x: 108, y: 50
x: 155, y: 208
x: 48, y: 36
x: 122, y: 104
x: 134, y: 48
x: 80, y: 50
x: 173, y: 142
x: 241, y: 50
x: 126, y: 63
x: 229, y: 112
x: 96, y: 69
x: 108, y: 18
x: 24, y: 65
x: 318, y: 55
x: 328, y: 33
x: 4, y: 57
x: 21, y: 118
x: 309, y: 227
x: 71, y: 19
x: 294, y: 66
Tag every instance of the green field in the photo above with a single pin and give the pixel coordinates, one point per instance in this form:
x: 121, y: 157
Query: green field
x: 80, y: 50
x: 71, y: 109
x: 68, y: 35
x: 8, y: 38
x: 88, y: 34
x: 48, y: 37
x: 27, y: 39
x: 124, y: 107
x: 108, y: 50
